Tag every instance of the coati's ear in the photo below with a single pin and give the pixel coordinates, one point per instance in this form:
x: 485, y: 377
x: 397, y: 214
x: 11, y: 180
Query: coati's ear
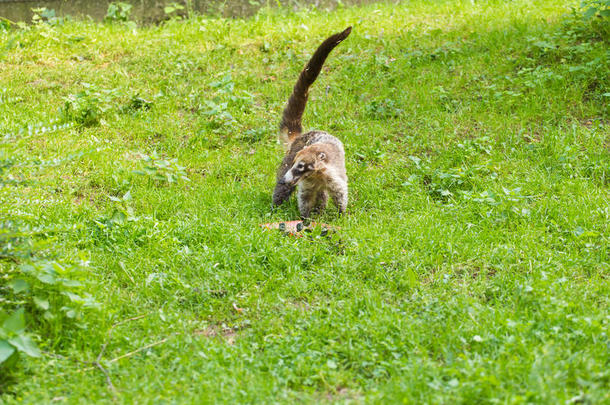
x: 322, y: 156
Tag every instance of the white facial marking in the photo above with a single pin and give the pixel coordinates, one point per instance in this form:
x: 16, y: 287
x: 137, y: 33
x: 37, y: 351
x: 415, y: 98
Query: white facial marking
x: 288, y: 177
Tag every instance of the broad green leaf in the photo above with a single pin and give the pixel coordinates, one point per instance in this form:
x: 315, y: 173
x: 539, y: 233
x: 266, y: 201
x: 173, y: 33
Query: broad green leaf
x: 48, y: 315
x: 46, y: 278
x: 26, y: 268
x: 6, y: 350
x: 590, y: 13
x: 19, y: 285
x: 59, y: 269
x: 16, y: 322
x: 118, y: 217
x: 25, y: 344
x: 411, y: 278
x: 41, y: 303
x: 73, y: 297
x: 66, y: 282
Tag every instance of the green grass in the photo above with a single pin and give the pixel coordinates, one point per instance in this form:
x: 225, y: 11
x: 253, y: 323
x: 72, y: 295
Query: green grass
x: 472, y: 265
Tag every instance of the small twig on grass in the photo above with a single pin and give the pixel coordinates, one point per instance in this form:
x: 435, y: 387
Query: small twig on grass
x: 148, y: 346
x: 108, y: 380
x: 59, y: 356
x: 99, y: 356
x: 135, y: 318
x: 96, y: 364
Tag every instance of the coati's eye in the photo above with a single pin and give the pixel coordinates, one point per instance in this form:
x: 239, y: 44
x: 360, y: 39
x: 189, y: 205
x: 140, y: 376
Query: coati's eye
x: 300, y: 166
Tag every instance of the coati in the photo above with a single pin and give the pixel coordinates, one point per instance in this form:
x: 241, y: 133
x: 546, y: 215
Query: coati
x: 315, y: 160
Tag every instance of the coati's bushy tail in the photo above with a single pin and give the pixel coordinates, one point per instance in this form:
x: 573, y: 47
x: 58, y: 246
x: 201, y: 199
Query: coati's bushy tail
x: 293, y: 113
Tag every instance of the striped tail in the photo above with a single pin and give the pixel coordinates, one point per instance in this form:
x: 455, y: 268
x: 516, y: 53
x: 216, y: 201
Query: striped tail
x: 290, y: 127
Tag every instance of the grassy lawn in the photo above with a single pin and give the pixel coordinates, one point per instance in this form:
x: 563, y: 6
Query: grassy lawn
x: 471, y: 267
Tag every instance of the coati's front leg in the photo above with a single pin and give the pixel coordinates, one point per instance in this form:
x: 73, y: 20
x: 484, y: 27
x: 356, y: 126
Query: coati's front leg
x: 321, y: 201
x: 307, y: 198
x: 338, y: 192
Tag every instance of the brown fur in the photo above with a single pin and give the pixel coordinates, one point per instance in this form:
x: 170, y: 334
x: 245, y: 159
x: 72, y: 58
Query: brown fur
x: 291, y: 129
x: 319, y: 170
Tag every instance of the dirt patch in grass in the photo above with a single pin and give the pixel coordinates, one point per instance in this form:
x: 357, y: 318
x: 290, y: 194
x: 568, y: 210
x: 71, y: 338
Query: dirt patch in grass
x: 343, y: 395
x: 228, y: 334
